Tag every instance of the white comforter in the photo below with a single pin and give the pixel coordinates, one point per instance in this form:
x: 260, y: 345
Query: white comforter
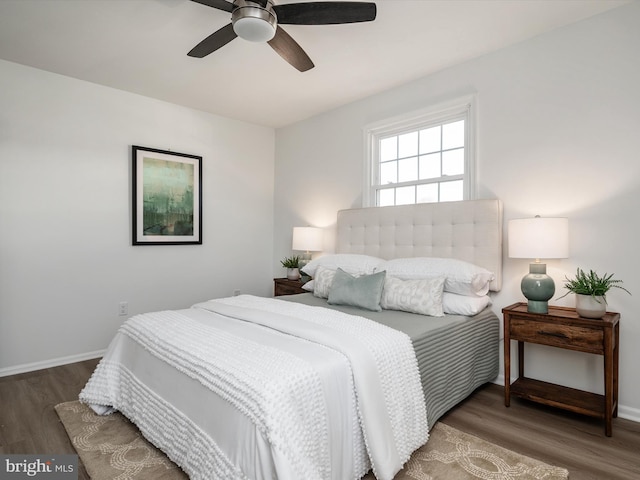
x: 256, y: 388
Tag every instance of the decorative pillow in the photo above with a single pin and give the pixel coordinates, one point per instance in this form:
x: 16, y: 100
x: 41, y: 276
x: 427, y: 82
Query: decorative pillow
x: 309, y: 286
x: 463, y: 304
x: 362, y: 292
x: 322, y: 281
x: 461, y: 277
x: 423, y: 296
x: 350, y: 263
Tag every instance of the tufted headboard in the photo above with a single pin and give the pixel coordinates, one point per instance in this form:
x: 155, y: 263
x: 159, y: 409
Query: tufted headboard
x: 467, y: 230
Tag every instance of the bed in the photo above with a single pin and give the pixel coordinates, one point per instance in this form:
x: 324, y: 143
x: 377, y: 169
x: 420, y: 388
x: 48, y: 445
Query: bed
x: 306, y: 387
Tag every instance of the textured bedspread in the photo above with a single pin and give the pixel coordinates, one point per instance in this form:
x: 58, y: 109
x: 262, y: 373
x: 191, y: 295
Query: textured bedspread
x: 249, y: 387
x: 456, y: 354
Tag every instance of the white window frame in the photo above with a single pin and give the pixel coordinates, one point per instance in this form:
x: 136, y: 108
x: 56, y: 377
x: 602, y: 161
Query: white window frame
x: 462, y: 107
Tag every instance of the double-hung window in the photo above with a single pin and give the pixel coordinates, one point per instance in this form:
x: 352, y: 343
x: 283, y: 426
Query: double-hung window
x: 426, y: 156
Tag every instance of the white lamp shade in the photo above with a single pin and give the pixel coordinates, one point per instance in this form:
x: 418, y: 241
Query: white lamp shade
x: 539, y: 238
x: 308, y: 239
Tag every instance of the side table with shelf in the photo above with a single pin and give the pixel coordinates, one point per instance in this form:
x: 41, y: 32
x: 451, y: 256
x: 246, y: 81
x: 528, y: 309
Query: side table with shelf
x: 563, y: 328
x: 284, y: 286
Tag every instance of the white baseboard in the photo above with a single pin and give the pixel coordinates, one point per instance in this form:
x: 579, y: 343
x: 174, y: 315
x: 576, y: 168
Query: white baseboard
x: 56, y: 362
x: 628, y: 413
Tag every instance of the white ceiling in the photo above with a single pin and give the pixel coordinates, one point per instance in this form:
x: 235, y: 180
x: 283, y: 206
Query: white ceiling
x: 141, y: 46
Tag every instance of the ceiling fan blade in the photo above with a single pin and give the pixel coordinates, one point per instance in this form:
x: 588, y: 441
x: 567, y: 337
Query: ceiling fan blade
x: 325, y: 13
x: 289, y: 49
x: 219, y: 4
x: 213, y: 42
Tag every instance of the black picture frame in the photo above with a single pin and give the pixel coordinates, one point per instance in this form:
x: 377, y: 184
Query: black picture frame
x: 166, y: 197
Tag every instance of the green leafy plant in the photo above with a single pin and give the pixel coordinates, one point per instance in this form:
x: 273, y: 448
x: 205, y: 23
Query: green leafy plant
x: 291, y: 262
x: 592, y: 284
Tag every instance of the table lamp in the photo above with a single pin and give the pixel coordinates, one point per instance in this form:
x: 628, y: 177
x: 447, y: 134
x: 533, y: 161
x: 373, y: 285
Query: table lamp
x: 538, y: 238
x: 307, y: 239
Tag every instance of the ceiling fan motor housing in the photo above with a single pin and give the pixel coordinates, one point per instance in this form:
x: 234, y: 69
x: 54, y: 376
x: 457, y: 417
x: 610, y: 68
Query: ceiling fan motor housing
x: 253, y: 22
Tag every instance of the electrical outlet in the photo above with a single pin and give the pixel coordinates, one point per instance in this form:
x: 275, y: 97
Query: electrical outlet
x: 236, y: 292
x: 123, y: 309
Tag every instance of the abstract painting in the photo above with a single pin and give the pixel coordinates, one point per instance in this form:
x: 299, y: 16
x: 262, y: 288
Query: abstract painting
x: 167, y: 197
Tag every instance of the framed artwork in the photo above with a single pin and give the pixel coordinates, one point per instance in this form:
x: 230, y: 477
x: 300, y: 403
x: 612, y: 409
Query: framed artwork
x: 167, y: 197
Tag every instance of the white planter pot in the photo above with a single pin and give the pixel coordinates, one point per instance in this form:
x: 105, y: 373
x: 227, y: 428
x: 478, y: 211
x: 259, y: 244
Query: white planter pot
x: 293, y: 273
x: 590, y: 307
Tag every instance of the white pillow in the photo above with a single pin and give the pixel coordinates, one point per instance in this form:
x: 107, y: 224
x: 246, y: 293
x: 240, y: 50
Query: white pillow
x: 322, y: 282
x: 423, y: 296
x: 351, y: 263
x: 463, y: 304
x: 309, y: 286
x: 462, y: 277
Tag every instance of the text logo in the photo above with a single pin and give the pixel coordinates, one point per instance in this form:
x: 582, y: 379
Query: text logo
x: 49, y: 467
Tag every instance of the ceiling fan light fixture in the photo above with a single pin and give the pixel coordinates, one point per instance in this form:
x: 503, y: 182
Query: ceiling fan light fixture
x: 255, y: 24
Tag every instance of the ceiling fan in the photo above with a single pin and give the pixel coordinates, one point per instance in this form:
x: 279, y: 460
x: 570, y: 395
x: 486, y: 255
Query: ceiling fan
x: 260, y: 20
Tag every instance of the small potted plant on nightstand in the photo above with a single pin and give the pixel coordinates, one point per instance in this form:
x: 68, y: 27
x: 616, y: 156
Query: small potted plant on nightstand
x: 591, y: 292
x: 292, y: 264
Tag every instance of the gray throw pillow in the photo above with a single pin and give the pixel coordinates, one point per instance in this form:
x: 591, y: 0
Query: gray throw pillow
x: 363, y: 291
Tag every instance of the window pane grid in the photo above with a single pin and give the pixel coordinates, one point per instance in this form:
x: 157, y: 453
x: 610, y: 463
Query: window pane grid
x: 427, y: 160
x: 425, y: 164
x: 443, y: 191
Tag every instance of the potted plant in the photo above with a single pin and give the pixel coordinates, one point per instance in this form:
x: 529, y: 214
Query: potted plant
x: 591, y: 292
x: 292, y: 264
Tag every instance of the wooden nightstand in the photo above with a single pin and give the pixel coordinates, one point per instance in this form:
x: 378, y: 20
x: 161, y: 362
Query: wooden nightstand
x: 562, y: 327
x: 284, y: 286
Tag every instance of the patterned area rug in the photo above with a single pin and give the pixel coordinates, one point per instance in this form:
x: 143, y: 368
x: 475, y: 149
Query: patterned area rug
x: 112, y: 448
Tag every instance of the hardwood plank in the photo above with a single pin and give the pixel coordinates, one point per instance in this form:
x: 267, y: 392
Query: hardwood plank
x: 28, y: 421
x: 555, y: 436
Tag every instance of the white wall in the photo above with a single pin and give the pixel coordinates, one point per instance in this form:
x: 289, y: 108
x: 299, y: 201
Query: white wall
x: 558, y: 123
x: 66, y: 259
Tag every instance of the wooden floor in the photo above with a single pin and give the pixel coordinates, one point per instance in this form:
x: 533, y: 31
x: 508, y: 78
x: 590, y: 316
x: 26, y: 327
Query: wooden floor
x: 561, y: 438
x: 29, y: 424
